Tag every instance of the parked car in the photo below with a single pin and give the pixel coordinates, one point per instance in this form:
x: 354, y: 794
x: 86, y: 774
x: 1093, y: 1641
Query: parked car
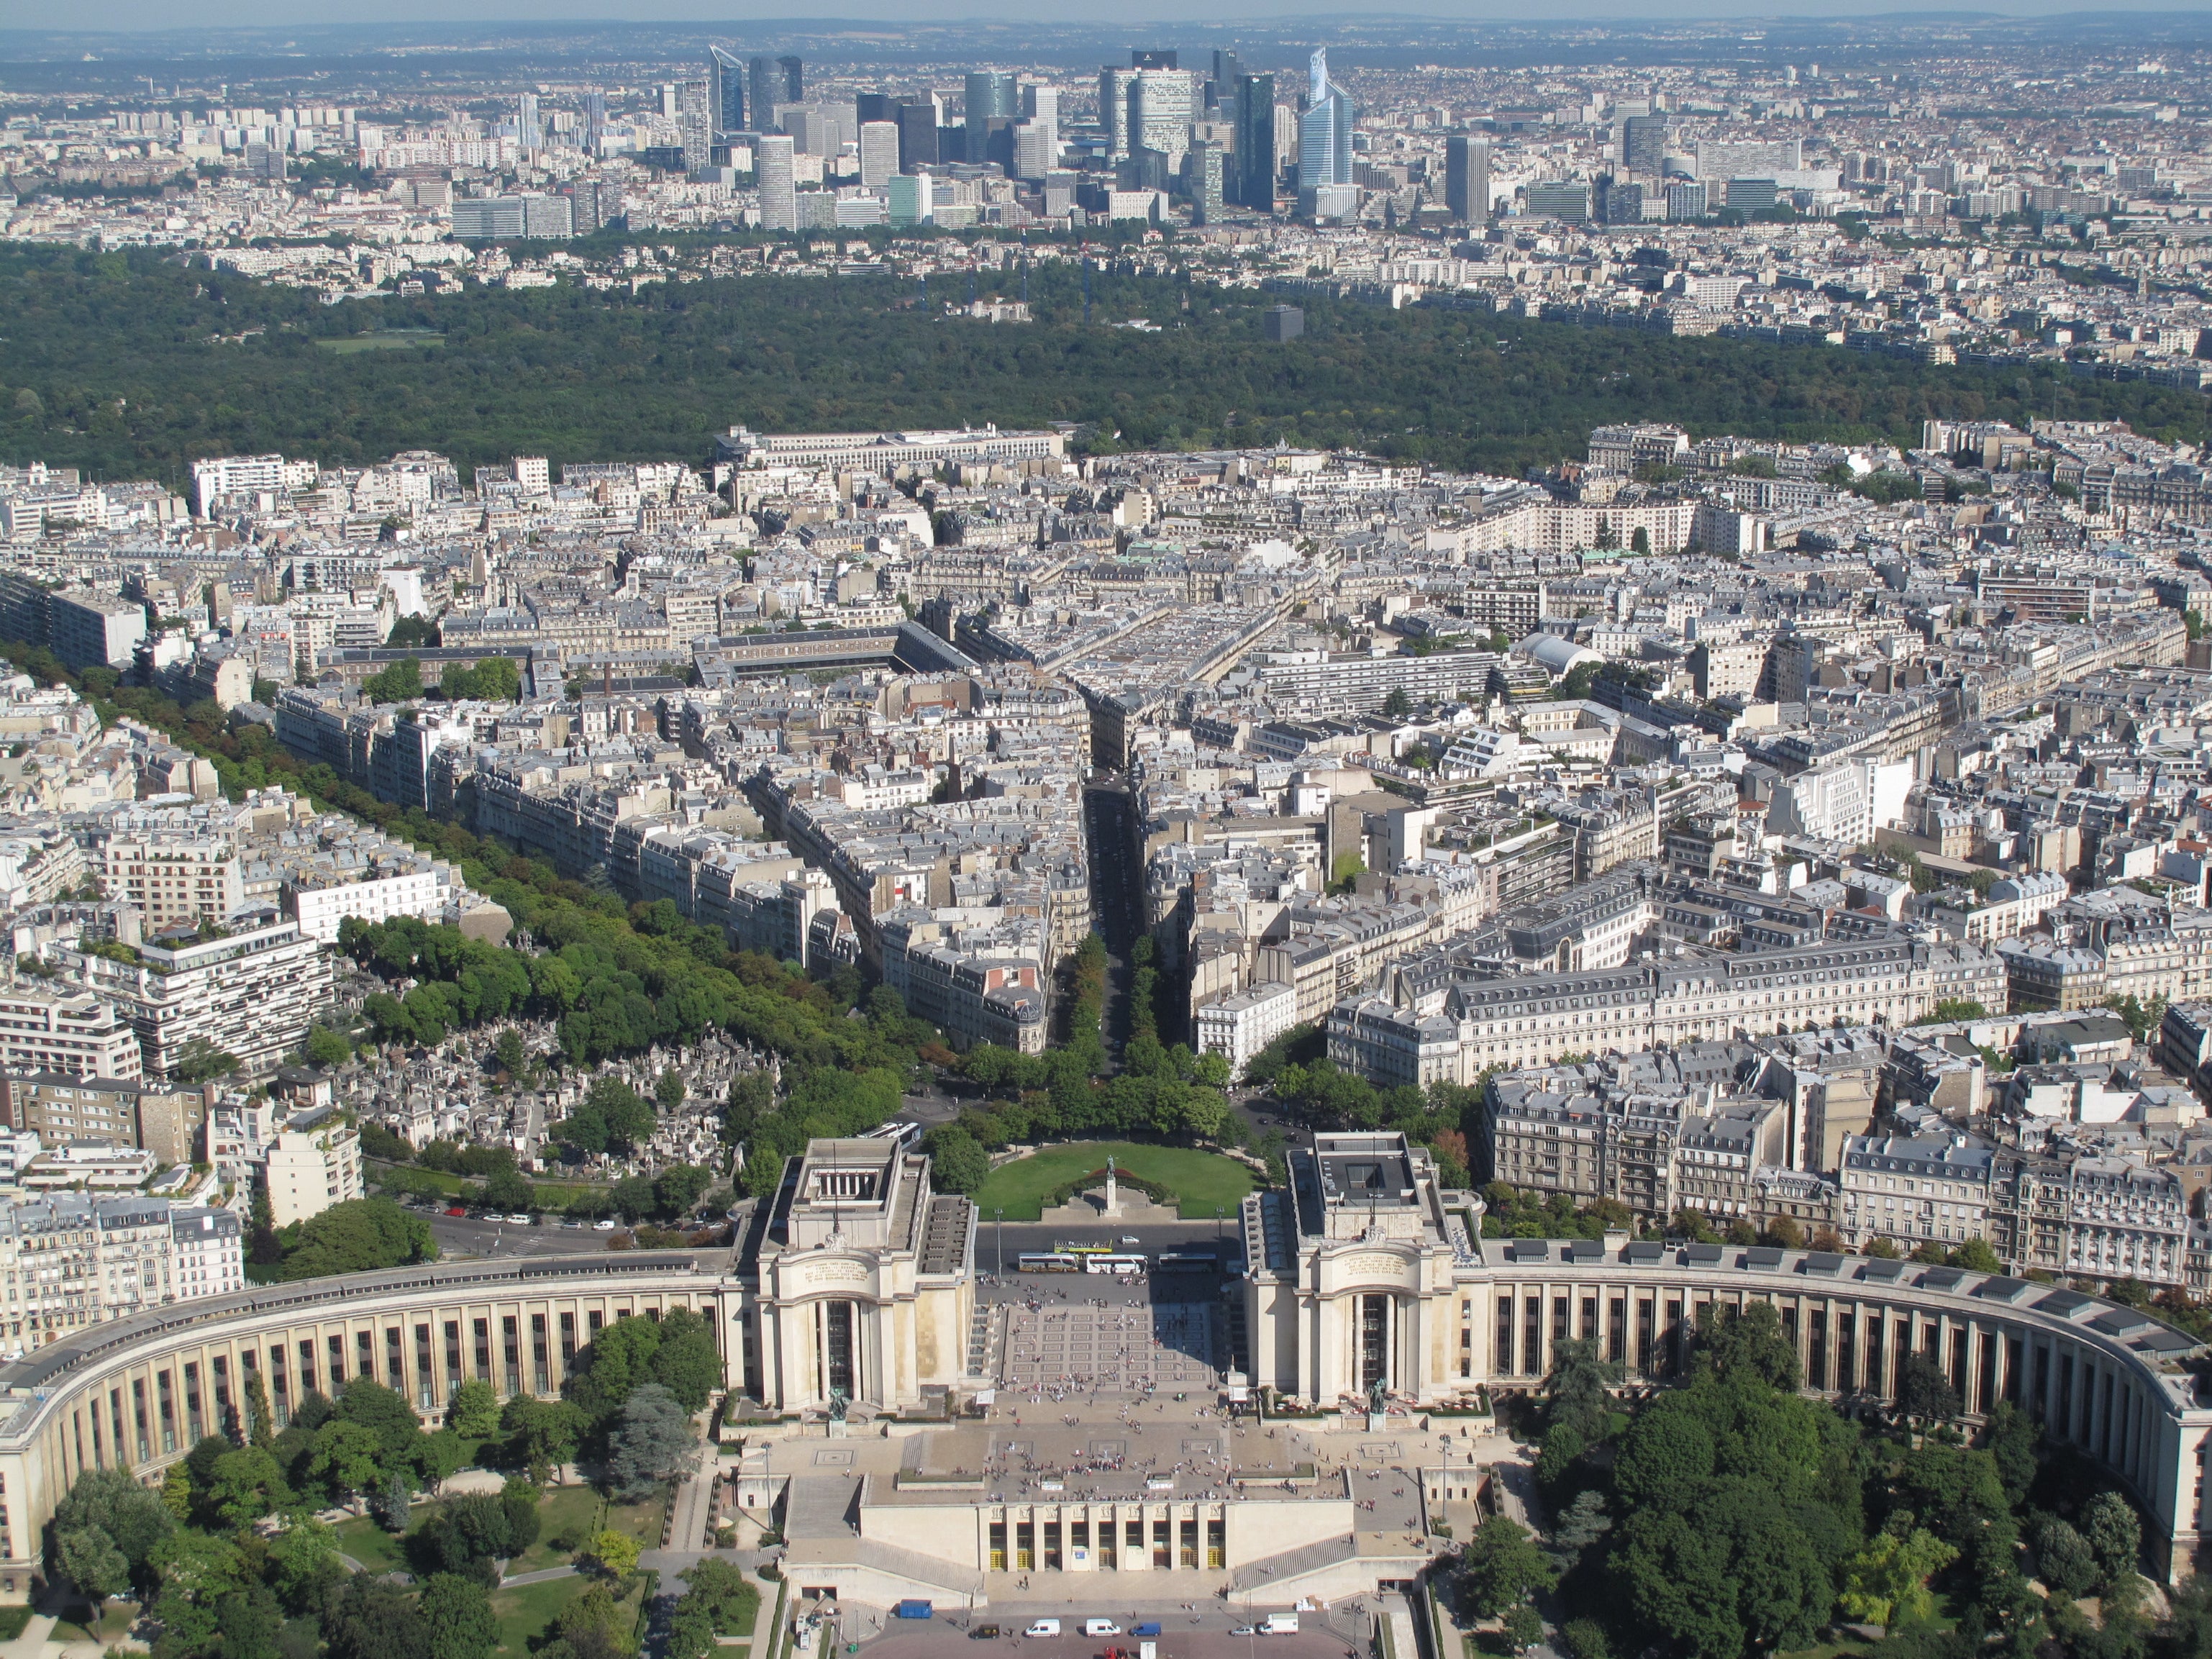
x: 1131, y: 1238
x: 1044, y: 1628
x: 603, y: 1225
x: 1101, y: 1627
x: 457, y: 1209
x: 1245, y: 1630
x: 518, y: 1220
x: 982, y: 1632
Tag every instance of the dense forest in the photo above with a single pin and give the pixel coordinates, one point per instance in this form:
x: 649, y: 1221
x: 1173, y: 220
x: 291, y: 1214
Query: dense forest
x: 131, y: 365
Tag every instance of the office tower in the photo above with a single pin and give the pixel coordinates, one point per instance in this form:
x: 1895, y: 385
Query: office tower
x: 1751, y: 158
x: 1615, y: 202
x: 1643, y: 143
x: 590, y: 205
x: 779, y: 196
x: 668, y: 90
x: 1255, y: 142
x: 595, y: 122
x: 761, y: 91
x: 917, y: 127
x: 695, y: 124
x: 879, y: 153
x: 874, y: 106
x: 726, y: 92
x: 1036, y: 151
x: 1566, y: 199
x: 1154, y: 59
x: 1162, y: 105
x: 992, y: 100
x: 794, y: 80
x: 1467, y: 179
x: 1685, y: 202
x: 1222, y: 87
x: 1114, y: 85
x: 910, y: 196
x: 1207, y: 173
x: 1324, y: 132
x: 1041, y: 105
x: 993, y: 92
x: 529, y: 135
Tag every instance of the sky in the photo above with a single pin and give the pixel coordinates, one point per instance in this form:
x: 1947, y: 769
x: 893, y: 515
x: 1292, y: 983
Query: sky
x: 168, y: 15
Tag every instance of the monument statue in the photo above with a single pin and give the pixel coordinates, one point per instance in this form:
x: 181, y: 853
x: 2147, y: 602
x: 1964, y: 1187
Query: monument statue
x: 838, y: 1404
x: 1378, y: 1396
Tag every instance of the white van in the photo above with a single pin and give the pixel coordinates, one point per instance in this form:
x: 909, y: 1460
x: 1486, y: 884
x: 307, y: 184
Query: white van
x: 1044, y: 1628
x: 1101, y: 1627
x: 1279, y: 1624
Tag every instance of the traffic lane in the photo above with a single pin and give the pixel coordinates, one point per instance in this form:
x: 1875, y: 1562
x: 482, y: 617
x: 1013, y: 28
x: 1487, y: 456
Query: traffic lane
x: 932, y: 1639
x: 470, y: 1236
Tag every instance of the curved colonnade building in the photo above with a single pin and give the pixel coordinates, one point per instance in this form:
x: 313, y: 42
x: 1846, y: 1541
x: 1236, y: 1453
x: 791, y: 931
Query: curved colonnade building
x: 857, y: 1278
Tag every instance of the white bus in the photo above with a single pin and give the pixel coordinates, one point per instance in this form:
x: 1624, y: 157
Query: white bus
x: 1102, y: 1262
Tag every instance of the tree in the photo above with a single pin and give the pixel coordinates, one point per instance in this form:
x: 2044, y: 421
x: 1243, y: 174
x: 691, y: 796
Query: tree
x: 248, y: 1485
x: 1886, y: 1583
x: 614, y: 1554
x: 200, y: 1060
x: 304, y: 1564
x: 512, y: 1057
x: 509, y: 1192
x: 593, y: 1626
x: 1924, y: 1394
x: 1523, y: 1628
x: 1575, y: 1387
x: 652, y: 1443
x: 130, y: 1516
x: 1397, y: 705
x: 1579, y: 1527
x: 958, y: 1163
x: 2012, y: 1434
x: 474, y: 1411
x: 2064, y: 1559
x: 93, y: 1564
x: 678, y: 1188
x: 669, y: 1092
x: 1585, y: 1638
x: 457, y: 1615
x: 2114, y: 1534
x: 325, y: 1048
x: 541, y: 1435
x: 359, y: 1236
x: 1502, y: 1566
x: 348, y: 1457
x: 1975, y: 1256
x: 373, y: 1618
x: 1748, y: 1340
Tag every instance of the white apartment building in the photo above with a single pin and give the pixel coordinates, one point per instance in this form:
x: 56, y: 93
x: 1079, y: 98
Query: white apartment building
x: 310, y: 1169
x: 173, y: 879
x: 68, y: 1261
x: 1238, y: 1026
x: 319, y: 908
x: 94, y: 630
x: 206, y: 1258
x: 252, y: 995
x: 1914, y: 1188
x: 64, y: 1028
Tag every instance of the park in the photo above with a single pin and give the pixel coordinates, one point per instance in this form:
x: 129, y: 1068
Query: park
x: 1197, y: 1183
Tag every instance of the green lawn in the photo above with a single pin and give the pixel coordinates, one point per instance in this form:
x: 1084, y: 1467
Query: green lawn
x: 114, y: 1625
x: 526, y: 1611
x: 377, y: 1550
x: 564, y: 1511
x: 1200, y: 1180
x: 641, y: 1520
x: 391, y: 340
x: 13, y: 1619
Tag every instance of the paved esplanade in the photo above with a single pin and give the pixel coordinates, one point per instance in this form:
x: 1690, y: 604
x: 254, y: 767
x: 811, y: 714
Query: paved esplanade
x: 1055, y: 1345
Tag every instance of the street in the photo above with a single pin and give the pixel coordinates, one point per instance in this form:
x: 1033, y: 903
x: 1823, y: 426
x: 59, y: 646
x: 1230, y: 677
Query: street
x: 467, y: 1235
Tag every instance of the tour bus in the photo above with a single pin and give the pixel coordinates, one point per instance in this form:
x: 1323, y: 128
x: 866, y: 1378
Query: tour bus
x: 1102, y: 1262
x: 1186, y: 1262
x: 907, y: 1133
x: 1048, y: 1261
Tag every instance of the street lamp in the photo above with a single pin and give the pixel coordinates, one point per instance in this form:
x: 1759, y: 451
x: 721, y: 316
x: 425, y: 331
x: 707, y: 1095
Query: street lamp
x: 1000, y: 1235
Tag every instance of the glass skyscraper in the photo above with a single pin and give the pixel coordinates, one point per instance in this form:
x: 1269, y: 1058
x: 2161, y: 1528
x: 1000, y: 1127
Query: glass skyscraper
x: 1325, y: 129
